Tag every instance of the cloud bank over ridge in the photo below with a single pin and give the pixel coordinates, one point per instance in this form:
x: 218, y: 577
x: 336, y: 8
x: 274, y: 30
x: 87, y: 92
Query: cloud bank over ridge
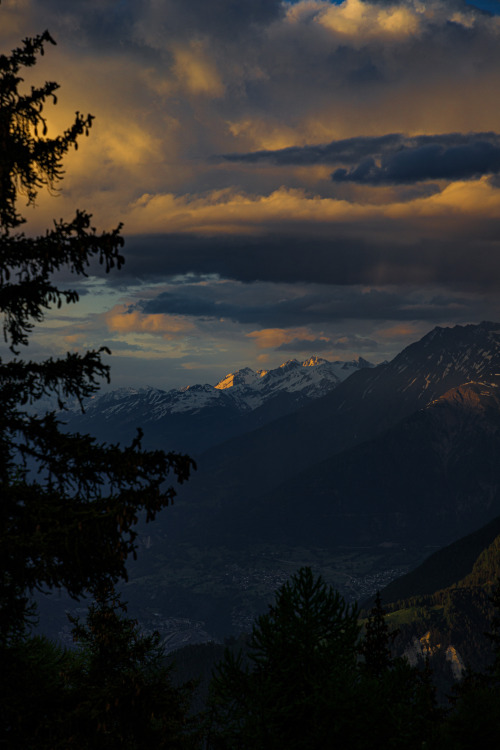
x: 325, y: 172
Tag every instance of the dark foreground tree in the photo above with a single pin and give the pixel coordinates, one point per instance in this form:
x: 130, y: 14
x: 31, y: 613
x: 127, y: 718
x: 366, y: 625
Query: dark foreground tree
x: 294, y: 687
x: 114, y: 691
x: 68, y: 505
x: 377, y: 642
x: 301, y: 683
x: 120, y: 693
x: 398, y: 706
x: 474, y: 721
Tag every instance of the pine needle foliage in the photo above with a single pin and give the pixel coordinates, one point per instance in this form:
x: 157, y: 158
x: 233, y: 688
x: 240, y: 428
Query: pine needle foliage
x: 69, y: 506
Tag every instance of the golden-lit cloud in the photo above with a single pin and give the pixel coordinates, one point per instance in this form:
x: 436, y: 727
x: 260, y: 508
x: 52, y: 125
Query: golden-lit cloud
x: 318, y: 72
x: 360, y: 21
x: 196, y: 70
x: 174, y: 85
x: 236, y: 212
x: 270, y: 338
x: 123, y: 321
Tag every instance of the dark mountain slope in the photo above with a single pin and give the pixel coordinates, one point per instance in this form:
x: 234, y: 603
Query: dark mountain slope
x: 449, y: 625
x: 363, y: 406
x: 430, y: 479
x: 193, y: 418
x: 116, y: 416
x: 443, y: 568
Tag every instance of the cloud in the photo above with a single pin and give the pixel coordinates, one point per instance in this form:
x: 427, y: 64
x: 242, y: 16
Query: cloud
x: 394, y: 158
x: 194, y: 67
x: 275, y: 338
x: 355, y: 343
x: 430, y: 162
x: 123, y: 320
x: 346, y: 150
x: 400, y: 95
x: 305, y: 340
x: 279, y: 306
x: 306, y: 345
x: 452, y: 238
x: 180, y: 81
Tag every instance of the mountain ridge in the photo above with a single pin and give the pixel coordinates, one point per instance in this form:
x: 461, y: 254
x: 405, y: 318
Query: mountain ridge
x: 194, y: 417
x: 274, y: 469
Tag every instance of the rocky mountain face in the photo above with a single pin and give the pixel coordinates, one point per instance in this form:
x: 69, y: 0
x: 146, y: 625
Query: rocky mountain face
x: 194, y: 417
x: 403, y: 450
x: 443, y: 607
x: 402, y: 454
x: 311, y: 379
x: 406, y: 451
x: 432, y: 477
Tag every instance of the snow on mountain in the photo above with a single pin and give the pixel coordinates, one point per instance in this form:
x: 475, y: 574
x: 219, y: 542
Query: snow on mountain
x: 241, y: 391
x: 244, y: 377
x: 194, y: 398
x: 312, y: 378
x: 154, y: 403
x: 457, y: 354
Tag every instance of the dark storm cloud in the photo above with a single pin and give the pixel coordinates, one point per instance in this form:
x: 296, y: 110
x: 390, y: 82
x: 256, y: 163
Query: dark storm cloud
x: 346, y: 150
x: 280, y: 258
x: 345, y: 343
x: 125, y: 23
x: 220, y: 17
x: 394, y: 158
x: 90, y: 23
x: 468, y: 257
x: 318, y: 305
x: 429, y: 162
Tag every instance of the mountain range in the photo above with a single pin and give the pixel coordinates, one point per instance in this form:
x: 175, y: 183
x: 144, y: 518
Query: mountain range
x: 402, y: 451
x: 330, y: 453
x: 195, y: 417
x: 358, y: 470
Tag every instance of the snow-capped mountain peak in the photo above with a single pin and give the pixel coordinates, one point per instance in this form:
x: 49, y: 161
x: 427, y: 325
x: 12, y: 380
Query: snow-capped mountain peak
x: 288, y: 364
x: 215, y: 410
x: 245, y: 376
x: 314, y: 362
x: 309, y: 379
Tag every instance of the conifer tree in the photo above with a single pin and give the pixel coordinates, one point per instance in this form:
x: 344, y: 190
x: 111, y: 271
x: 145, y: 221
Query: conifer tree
x: 69, y: 506
x: 295, y: 687
x: 120, y: 690
x: 475, y: 717
x: 376, y: 644
x: 398, y: 701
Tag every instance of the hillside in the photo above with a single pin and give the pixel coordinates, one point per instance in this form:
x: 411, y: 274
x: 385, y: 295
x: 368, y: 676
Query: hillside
x: 361, y: 484
x: 364, y: 406
x: 449, y: 624
x: 445, y: 567
x: 432, y: 477
x: 429, y: 480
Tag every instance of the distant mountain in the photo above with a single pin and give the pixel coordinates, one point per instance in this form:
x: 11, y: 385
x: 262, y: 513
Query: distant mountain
x: 194, y: 417
x: 311, y: 379
x: 384, y: 456
x: 429, y: 479
x: 394, y: 458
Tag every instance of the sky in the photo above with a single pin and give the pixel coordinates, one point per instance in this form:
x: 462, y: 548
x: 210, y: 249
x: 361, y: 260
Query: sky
x: 293, y: 178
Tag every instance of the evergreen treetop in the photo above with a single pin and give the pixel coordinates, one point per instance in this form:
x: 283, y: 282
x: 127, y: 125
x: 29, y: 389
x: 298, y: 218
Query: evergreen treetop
x: 69, y: 507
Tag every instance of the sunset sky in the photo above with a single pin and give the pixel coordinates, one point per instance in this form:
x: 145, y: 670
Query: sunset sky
x: 293, y: 178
